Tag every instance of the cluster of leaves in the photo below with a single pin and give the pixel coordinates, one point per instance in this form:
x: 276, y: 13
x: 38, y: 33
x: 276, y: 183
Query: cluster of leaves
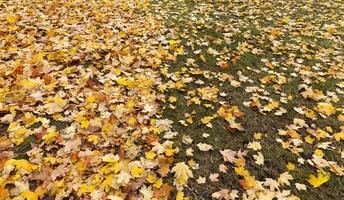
x: 79, y: 109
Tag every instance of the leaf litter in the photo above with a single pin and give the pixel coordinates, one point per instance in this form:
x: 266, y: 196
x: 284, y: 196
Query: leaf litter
x: 85, y: 86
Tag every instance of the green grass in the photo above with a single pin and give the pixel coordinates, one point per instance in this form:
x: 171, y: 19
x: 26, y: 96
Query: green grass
x: 276, y: 157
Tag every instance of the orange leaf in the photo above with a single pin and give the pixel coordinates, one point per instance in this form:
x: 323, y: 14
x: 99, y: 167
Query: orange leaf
x: 248, y: 182
x: 4, y: 194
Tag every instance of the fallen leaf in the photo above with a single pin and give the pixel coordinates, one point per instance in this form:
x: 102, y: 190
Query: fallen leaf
x: 321, y: 178
x: 182, y: 173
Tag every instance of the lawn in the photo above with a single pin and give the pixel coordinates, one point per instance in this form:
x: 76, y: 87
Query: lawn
x: 162, y: 99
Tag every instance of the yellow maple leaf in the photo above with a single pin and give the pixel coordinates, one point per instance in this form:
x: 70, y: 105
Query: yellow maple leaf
x: 150, y: 155
x: 117, y: 71
x: 28, y: 84
x: 182, y: 173
x: 285, y: 20
x: 84, y: 124
x: 257, y: 136
x: 173, y: 42
x: 57, y: 185
x: 248, y: 182
x: 24, y: 164
x: 189, y: 120
x: 132, y: 121
x: 158, y: 183
x: 326, y: 108
x: 321, y: 178
x: 162, y: 88
x: 196, y: 100
x: 93, y: 138
x: 12, y: 126
x: 81, y: 166
x: 136, y: 171
x: 172, y: 99
x: 20, y: 164
x: 275, y: 32
x: 122, y: 81
x: 91, y: 99
x: 60, y: 101
x: 169, y: 151
x: 331, y: 29
x: 290, y: 166
x: 180, y: 195
x: 202, y: 56
x: 179, y: 85
x: 85, y: 189
x: 151, y: 178
x: 310, y: 114
x: 309, y: 139
x: 272, y: 105
x: 107, y: 182
x: 180, y: 51
x: 131, y: 83
x: 341, y: 117
x: 40, y: 191
x: 29, y: 195
x: 11, y: 18
x: 37, y: 58
x: 79, y: 118
x: 339, y: 136
x: 241, y: 171
x: 319, y: 152
x: 47, y: 137
x: 206, y: 120
x: 50, y: 159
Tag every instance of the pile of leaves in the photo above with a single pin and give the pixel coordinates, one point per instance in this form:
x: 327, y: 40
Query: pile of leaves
x: 79, y: 109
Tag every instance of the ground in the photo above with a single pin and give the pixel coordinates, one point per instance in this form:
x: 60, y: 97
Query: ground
x: 172, y: 99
